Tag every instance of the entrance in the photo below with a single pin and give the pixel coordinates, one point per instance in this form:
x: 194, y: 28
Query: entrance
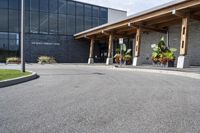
x: 100, y: 53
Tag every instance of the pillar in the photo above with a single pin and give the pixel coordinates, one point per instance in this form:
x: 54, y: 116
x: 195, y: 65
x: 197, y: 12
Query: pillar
x: 109, y: 60
x: 183, y: 60
x: 91, y: 54
x: 136, y: 59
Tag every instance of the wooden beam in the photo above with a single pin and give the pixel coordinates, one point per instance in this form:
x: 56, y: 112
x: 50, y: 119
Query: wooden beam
x: 154, y: 29
x: 178, y: 13
x: 138, y: 42
x: 184, y: 36
x: 105, y: 33
x: 195, y: 17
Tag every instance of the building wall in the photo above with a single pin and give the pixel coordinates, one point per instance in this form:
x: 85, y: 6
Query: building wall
x: 116, y: 15
x: 174, y: 41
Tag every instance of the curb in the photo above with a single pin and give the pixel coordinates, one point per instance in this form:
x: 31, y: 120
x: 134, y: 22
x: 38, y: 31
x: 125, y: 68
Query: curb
x: 10, y: 82
x: 167, y: 72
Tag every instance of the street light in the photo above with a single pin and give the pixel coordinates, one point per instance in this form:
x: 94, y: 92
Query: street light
x: 22, y: 37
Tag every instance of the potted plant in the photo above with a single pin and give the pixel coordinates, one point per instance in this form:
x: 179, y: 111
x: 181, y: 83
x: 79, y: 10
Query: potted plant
x: 162, y: 55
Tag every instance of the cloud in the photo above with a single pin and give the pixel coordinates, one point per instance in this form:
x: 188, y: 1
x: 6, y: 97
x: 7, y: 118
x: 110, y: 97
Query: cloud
x: 131, y: 6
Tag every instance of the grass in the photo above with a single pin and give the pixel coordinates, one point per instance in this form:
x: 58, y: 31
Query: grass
x: 10, y: 74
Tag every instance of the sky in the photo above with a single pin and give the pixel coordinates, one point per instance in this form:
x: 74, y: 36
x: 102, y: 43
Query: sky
x: 131, y: 6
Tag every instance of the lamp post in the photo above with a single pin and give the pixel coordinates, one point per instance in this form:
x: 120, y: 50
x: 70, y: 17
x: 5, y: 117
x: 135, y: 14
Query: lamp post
x: 22, y: 37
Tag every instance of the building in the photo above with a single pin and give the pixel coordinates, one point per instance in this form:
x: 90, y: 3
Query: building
x: 178, y: 21
x: 49, y: 28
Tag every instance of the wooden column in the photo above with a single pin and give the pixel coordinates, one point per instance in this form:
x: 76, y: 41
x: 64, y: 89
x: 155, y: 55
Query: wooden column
x: 91, y: 54
x: 184, y: 36
x: 138, y: 42
x: 110, y: 46
x: 91, y: 48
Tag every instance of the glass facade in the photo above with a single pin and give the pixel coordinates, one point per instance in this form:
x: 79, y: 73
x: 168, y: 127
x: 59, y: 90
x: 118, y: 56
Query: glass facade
x: 48, y: 17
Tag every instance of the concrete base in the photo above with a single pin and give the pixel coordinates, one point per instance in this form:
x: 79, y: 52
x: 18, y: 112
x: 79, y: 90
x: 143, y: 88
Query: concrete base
x: 90, y: 61
x: 137, y: 61
x: 109, y: 61
x: 183, y: 62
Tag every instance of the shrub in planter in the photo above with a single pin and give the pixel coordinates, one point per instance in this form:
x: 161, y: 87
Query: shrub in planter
x: 128, y: 59
x: 162, y: 54
x: 46, y: 60
x: 13, y: 60
x: 117, y: 58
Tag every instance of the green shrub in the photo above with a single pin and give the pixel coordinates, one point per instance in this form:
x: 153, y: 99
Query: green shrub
x: 13, y: 60
x: 46, y: 60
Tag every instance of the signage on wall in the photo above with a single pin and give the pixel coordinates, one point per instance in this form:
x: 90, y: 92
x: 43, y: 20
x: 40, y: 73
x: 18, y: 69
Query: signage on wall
x: 45, y: 43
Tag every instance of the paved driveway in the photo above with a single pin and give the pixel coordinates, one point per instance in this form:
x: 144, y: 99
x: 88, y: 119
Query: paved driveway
x: 82, y: 99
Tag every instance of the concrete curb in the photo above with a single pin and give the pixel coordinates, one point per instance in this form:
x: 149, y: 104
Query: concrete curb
x: 167, y: 72
x: 10, y: 82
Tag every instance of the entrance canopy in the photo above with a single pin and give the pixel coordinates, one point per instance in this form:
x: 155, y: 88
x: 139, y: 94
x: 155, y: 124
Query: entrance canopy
x: 156, y: 19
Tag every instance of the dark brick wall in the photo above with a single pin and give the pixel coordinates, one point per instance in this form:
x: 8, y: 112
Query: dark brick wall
x: 68, y: 50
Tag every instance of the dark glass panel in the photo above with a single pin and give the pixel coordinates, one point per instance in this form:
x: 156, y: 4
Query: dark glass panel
x: 79, y: 24
x: 34, y: 4
x: 53, y: 6
x: 3, y: 20
x: 27, y: 22
x: 14, y: 4
x: 88, y: 10
x: 34, y: 22
x: 79, y: 9
x: 88, y: 23
x: 27, y: 5
x: 102, y: 21
x: 70, y: 24
x: 95, y: 11
x: 62, y: 6
x: 62, y: 24
x: 71, y: 8
x: 4, y: 4
x: 13, y: 21
x: 13, y: 41
x: 3, y: 41
x: 44, y: 5
x: 53, y: 23
x: 103, y: 13
x: 95, y: 22
x: 44, y: 23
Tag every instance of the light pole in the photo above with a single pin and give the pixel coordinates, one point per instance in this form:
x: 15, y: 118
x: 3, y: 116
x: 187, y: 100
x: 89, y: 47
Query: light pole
x: 22, y: 37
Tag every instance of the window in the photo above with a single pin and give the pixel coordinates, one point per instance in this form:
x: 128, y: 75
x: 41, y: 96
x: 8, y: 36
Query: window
x: 4, y: 41
x: 71, y: 24
x: 3, y: 4
x: 62, y: 24
x: 27, y: 22
x: 102, y: 21
x: 27, y: 5
x: 62, y: 6
x: 44, y: 23
x: 79, y: 9
x: 88, y: 10
x: 53, y: 5
x: 95, y: 22
x: 103, y: 13
x: 34, y: 22
x: 53, y: 23
x: 79, y: 24
x: 95, y: 12
x: 13, y: 21
x: 4, y: 20
x: 34, y: 4
x: 14, y: 4
x: 70, y: 8
x: 44, y: 5
x: 13, y: 41
x: 88, y: 23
